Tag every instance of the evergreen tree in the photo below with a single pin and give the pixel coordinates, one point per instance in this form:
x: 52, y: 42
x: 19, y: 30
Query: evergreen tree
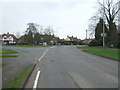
x: 113, y: 32
x: 99, y: 30
x: 37, y: 38
x: 30, y: 37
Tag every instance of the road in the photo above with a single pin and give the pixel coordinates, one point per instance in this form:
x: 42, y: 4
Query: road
x: 14, y: 65
x: 69, y: 67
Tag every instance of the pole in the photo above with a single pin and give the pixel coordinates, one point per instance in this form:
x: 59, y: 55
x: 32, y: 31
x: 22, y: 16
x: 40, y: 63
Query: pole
x: 103, y: 34
x: 86, y: 34
x: 33, y: 38
x: 103, y: 29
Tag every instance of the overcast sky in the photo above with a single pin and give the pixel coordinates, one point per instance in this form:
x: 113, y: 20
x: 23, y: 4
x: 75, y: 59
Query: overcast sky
x: 67, y: 17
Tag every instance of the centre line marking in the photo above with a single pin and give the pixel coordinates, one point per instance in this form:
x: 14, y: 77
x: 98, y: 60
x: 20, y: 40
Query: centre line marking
x: 36, y: 80
x: 43, y: 55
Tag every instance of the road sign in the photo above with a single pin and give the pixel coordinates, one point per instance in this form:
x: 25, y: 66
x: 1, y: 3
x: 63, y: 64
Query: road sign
x: 103, y: 34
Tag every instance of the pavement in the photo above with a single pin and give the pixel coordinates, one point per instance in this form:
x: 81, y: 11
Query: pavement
x: 69, y: 67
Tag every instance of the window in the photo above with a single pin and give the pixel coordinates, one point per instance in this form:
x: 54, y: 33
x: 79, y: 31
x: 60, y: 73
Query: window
x: 4, y: 37
x: 10, y: 38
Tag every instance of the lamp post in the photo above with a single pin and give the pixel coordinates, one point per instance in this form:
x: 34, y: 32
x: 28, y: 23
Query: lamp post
x: 103, y: 34
x: 33, y: 38
x: 86, y: 33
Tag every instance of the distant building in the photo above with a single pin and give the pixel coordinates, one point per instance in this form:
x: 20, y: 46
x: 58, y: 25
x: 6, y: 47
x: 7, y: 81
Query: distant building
x: 49, y: 39
x: 86, y: 41
x: 8, y: 38
x: 72, y: 40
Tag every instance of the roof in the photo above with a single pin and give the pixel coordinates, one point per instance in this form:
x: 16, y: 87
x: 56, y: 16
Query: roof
x: 8, y: 35
x: 72, y: 38
x: 86, y: 41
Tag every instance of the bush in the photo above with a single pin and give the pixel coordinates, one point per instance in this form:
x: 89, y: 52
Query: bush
x: 95, y: 43
x: 113, y: 44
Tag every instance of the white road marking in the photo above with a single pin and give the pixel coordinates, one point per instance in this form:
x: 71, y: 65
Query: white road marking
x: 53, y: 47
x: 38, y: 73
x: 43, y: 55
x: 36, y: 80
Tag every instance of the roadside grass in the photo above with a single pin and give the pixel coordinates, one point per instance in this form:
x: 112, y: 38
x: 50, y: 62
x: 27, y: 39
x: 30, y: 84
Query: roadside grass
x: 7, y: 51
x: 30, y: 45
x: 19, y: 79
x: 8, y: 56
x: 1, y: 65
x: 102, y: 51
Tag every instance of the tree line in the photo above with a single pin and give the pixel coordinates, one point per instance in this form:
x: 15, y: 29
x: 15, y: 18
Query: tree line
x: 34, y: 36
x: 108, y: 18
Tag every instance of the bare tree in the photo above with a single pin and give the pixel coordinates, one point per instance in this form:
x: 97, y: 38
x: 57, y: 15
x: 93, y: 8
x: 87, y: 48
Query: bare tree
x: 92, y: 25
x: 109, y: 10
x: 41, y: 29
x: 33, y: 27
x: 17, y: 34
x: 48, y: 30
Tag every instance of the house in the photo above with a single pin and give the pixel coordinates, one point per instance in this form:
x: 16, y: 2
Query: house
x: 8, y: 38
x: 72, y: 40
x: 86, y: 41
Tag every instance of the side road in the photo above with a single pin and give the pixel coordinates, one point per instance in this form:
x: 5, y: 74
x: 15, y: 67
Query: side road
x: 14, y: 65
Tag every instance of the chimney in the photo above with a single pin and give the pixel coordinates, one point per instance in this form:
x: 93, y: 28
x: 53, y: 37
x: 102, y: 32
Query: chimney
x: 7, y: 33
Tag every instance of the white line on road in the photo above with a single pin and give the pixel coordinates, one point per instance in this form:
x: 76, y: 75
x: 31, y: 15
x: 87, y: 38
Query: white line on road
x: 43, y: 55
x: 53, y: 47
x: 36, y: 80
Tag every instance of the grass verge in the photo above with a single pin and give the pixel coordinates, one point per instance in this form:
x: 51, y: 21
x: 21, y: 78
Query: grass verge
x: 19, y: 79
x: 1, y: 65
x: 8, y: 56
x: 7, y: 51
x: 105, y: 52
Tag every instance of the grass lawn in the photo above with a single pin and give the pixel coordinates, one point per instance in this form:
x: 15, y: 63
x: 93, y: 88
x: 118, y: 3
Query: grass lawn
x: 31, y: 45
x: 19, y: 79
x: 106, y: 52
x: 6, y: 53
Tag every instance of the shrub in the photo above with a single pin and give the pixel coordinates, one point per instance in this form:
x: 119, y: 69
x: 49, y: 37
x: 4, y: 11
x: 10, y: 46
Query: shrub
x: 113, y: 44
x: 95, y: 43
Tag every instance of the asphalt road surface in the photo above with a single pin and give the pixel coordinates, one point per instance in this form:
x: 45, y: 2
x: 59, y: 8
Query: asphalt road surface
x: 69, y: 67
x: 14, y: 65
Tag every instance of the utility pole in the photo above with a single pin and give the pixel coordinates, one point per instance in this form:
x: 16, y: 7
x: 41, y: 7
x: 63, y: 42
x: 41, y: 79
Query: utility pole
x: 33, y: 38
x: 103, y: 30
x: 103, y: 34
x: 86, y: 33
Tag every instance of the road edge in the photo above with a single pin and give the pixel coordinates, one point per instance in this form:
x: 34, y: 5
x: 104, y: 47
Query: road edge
x: 100, y: 55
x: 28, y: 76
